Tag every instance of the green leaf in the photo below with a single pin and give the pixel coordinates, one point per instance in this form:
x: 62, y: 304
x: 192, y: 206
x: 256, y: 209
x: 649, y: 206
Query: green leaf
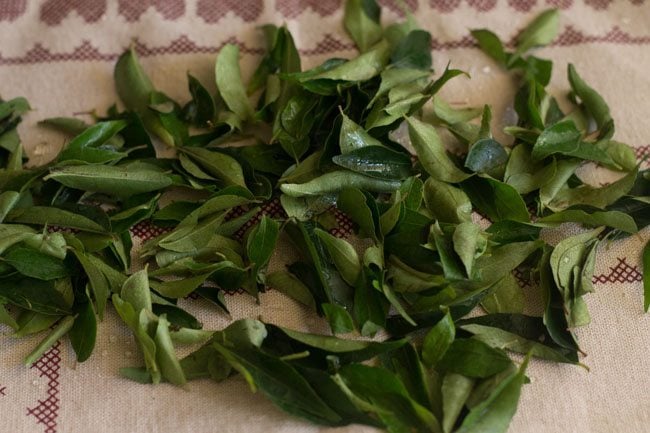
x: 456, y: 389
x: 473, y: 358
x: 354, y: 203
x: 503, y: 259
x: 525, y: 175
x: 555, y: 183
x: 446, y: 202
x: 89, y: 145
x: 353, y: 137
x: 593, y: 102
x: 336, y: 181
x: 591, y: 196
x: 6, y: 318
x: 380, y: 391
x: 413, y: 52
x: 406, y: 279
x: 538, y: 33
x: 42, y: 215
x: 8, y: 200
x: 621, y: 154
x: 376, y: 161
x: 468, y: 244
x: 438, y: 340
x: 98, y: 281
x: 487, y: 156
x: 134, y: 89
x: 58, y: 332
x: 518, y: 333
x: 505, y: 296
x: 338, y: 318
x: 490, y: 44
x: 84, y: 332
x: 432, y: 153
x: 497, y: 200
x: 170, y: 366
x: 361, y: 21
x: 567, y: 254
x: 280, y: 382
x: 291, y: 286
x: 135, y: 291
x: 615, y: 219
x: 562, y: 137
x: 411, y: 192
x: 36, y: 264
x: 343, y: 255
x: 181, y: 288
x: 31, y: 322
x: 121, y: 181
x: 34, y: 295
x: 218, y: 164
x: 201, y: 109
x: 261, y: 243
x: 362, y: 68
x: 493, y: 415
x: 229, y: 82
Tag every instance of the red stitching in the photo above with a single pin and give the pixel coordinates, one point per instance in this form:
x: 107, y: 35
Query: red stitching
x: 184, y: 45
x: 12, y: 9
x: 293, y: 8
x: 46, y: 411
x: 169, y: 9
x: 642, y: 151
x: 3, y: 390
x: 523, y: 277
x: 621, y: 273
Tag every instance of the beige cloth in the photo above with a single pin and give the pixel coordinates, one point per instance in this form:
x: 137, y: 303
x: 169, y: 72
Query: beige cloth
x: 60, y: 55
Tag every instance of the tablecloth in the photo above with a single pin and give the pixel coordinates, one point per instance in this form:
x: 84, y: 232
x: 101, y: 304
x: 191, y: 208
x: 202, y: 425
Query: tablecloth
x: 60, y: 55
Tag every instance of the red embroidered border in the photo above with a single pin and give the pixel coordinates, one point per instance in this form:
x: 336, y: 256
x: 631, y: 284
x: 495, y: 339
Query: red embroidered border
x: 184, y: 45
x: 46, y: 411
x: 53, y: 12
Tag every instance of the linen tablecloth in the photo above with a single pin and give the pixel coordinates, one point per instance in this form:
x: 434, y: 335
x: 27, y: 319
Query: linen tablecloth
x: 60, y: 55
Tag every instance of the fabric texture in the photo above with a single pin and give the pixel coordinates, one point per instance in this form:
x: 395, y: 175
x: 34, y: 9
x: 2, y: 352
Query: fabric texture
x: 60, y: 55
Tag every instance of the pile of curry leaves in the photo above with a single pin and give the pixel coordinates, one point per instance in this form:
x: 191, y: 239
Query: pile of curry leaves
x: 315, y: 139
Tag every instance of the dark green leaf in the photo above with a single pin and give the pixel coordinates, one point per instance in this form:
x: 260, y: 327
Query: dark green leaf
x: 493, y: 415
x: 338, y: 318
x: 413, y: 52
x: 487, y: 156
x: 473, y: 358
x: 88, y: 146
x: 84, y: 332
x: 36, y: 264
x: 34, y: 295
x: 438, y: 340
x: 497, y: 200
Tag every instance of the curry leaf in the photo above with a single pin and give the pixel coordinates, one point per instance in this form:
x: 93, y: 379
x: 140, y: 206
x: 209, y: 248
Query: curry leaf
x: 229, y: 82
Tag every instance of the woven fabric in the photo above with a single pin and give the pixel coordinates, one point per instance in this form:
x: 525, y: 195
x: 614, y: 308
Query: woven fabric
x: 60, y: 55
